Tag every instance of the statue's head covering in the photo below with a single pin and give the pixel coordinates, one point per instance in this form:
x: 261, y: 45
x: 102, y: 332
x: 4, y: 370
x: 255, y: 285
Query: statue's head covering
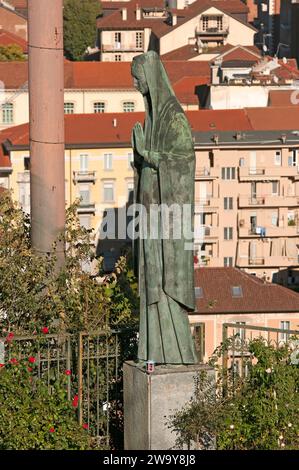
x: 160, y: 89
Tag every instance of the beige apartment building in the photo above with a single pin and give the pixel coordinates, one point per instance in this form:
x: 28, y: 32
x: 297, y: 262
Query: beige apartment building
x: 133, y: 27
x: 247, y: 191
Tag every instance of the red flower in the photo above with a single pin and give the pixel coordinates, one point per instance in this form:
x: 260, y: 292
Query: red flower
x: 45, y: 330
x: 13, y: 361
x: 2, y: 365
x: 10, y: 337
x: 68, y: 372
x: 85, y: 426
x: 51, y: 430
x: 30, y: 369
x: 195, y: 258
x: 32, y: 360
x: 75, y: 401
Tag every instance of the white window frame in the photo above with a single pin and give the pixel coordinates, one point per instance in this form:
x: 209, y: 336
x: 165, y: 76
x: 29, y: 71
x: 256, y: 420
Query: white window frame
x: 71, y: 110
x: 108, y: 161
x: 130, y: 106
x: 84, y: 157
x: 110, y: 186
x: 101, y: 105
x: 7, y: 113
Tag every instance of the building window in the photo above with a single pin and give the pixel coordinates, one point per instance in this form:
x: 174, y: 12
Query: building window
x: 130, y: 160
x: 83, y: 162
x: 228, y: 173
x: 99, y: 108
x: 277, y: 158
x: 284, y: 325
x: 7, y: 113
x: 275, y: 188
x: 228, y: 233
x: 274, y: 219
x: 139, y: 40
x: 219, y: 23
x: 205, y: 23
x: 85, y: 221
x: 228, y: 262
x: 241, y: 332
x: 117, y: 38
x: 129, y: 107
x: 130, y: 187
x: 108, y: 161
x: 237, y: 291
x: 108, y: 191
x: 117, y: 57
x: 292, y: 160
x: 27, y: 163
x: 228, y: 203
x: 69, y: 108
x: 84, y: 194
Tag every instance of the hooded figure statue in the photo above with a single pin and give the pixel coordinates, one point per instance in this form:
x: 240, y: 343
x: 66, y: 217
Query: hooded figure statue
x: 164, y: 163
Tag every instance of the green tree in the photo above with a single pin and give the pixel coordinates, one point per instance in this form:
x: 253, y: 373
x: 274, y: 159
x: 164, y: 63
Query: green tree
x: 11, y: 52
x: 80, y: 26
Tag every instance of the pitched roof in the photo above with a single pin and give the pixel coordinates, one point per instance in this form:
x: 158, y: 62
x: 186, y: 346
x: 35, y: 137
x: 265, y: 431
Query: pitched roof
x: 257, y: 296
x: 242, y: 53
x: 187, y: 89
x: 99, y: 75
x: 7, y: 39
x: 280, y: 97
x: 206, y: 120
x: 113, y: 19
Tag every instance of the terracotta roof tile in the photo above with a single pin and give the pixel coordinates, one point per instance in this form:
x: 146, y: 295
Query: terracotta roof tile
x: 257, y: 296
x: 7, y: 38
x: 280, y: 98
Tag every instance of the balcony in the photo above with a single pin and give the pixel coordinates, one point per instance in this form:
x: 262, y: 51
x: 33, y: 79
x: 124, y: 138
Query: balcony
x: 84, y: 176
x: 120, y: 47
x: 208, y: 204
x: 270, y: 232
x: 206, y: 173
x: 206, y: 232
x: 86, y: 208
x: 269, y: 201
x: 267, y: 174
x: 269, y: 262
x: 212, y: 31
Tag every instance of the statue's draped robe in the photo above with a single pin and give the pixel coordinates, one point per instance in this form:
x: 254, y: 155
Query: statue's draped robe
x: 166, y: 272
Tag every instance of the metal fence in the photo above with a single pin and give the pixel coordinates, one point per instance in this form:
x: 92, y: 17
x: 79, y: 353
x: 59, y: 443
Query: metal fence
x: 236, y: 355
x: 94, y: 383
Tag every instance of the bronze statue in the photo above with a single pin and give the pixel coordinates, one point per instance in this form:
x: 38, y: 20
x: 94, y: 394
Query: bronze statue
x: 164, y: 162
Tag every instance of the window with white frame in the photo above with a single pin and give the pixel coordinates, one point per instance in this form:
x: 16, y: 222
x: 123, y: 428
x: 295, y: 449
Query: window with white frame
x: 128, y: 107
x: 85, y: 221
x: 241, y: 332
x: 117, y: 57
x: 108, y: 191
x: 99, y: 107
x: 84, y: 162
x: 284, y: 325
x: 228, y: 261
x: 84, y: 194
x: 228, y: 203
x: 275, y: 188
x: 139, y: 40
x: 69, y: 108
x: 108, y: 161
x: 228, y: 173
x: 228, y: 233
x: 277, y: 158
x: 7, y: 113
x: 274, y: 219
x: 130, y: 160
x: 130, y: 189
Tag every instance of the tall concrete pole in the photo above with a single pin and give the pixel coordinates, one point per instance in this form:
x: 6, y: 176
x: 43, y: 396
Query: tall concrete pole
x: 46, y: 98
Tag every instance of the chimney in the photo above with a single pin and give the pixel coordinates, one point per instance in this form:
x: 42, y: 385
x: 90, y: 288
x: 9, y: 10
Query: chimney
x: 124, y: 14
x: 114, y: 122
x: 174, y: 19
x: 138, y: 13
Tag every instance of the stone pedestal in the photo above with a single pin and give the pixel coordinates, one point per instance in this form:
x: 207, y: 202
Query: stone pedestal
x: 149, y: 399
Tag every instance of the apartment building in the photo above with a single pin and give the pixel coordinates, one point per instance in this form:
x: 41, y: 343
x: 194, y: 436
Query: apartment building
x: 289, y: 20
x: 241, y: 78
x: 247, y: 188
x: 268, y: 23
x: 246, y: 182
x: 136, y: 27
x: 96, y: 87
x: 229, y: 295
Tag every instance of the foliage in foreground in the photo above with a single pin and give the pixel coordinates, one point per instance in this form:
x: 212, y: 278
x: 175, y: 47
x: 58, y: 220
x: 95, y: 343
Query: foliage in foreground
x: 34, y: 294
x: 257, y: 413
x: 11, y: 52
x: 31, y: 418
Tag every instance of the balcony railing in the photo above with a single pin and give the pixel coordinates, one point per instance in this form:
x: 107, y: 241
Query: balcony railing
x: 121, y: 47
x: 212, y: 30
x: 256, y: 201
x: 86, y: 207
x: 257, y: 171
x: 257, y: 261
x: 86, y: 176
